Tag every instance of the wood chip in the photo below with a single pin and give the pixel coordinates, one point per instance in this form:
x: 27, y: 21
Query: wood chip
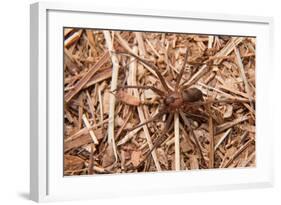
x: 72, y: 163
x: 81, y: 140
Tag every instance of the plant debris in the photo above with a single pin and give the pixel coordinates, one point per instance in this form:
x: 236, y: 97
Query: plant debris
x: 109, y: 95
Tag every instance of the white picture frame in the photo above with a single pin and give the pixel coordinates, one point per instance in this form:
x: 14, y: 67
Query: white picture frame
x: 46, y: 168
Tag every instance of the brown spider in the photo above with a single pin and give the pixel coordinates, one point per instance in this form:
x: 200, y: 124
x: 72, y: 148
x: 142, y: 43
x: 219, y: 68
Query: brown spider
x: 179, y: 99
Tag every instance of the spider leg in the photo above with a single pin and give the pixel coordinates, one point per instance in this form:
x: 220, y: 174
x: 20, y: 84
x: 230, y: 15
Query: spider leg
x: 159, y: 140
x: 197, y: 117
x: 191, y: 133
x: 158, y: 115
x: 152, y: 66
x: 206, y: 65
x: 196, y: 77
x: 217, y: 101
x: 182, y: 71
x: 156, y: 90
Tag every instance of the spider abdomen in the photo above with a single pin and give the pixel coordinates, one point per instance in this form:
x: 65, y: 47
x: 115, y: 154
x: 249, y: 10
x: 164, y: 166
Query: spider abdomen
x: 192, y: 95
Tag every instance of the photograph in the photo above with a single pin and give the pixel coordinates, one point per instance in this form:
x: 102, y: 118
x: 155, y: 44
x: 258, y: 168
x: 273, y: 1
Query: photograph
x: 154, y: 101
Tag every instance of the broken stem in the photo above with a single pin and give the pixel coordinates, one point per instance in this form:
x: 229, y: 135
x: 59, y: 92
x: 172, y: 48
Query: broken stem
x: 113, y: 86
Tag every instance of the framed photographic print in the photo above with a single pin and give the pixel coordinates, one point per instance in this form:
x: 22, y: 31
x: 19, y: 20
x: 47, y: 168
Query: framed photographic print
x: 147, y: 101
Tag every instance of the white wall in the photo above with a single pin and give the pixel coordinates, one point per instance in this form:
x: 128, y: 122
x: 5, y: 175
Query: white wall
x: 14, y: 101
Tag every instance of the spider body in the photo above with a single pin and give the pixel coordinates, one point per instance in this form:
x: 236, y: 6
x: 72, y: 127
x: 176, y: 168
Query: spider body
x: 192, y: 95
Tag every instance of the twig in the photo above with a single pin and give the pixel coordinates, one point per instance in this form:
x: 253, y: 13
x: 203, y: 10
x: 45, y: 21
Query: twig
x: 91, y: 161
x: 123, y: 42
x: 73, y: 68
x: 92, y: 134
x: 140, y: 43
x: 80, y: 110
x: 67, y: 31
x: 227, y: 88
x: 196, y: 76
x: 177, y: 141
x: 68, y: 53
x: 223, y: 138
x: 242, y: 73
x: 81, y: 140
x: 222, y: 127
x: 221, y: 92
x: 210, y: 41
x: 123, y: 126
x: 84, y: 80
x: 92, y: 42
x: 101, y: 76
x: 101, y: 104
x: 250, y: 158
x: 73, y: 38
x: 191, y: 132
x: 238, y: 152
x: 113, y: 86
x: 228, y: 48
x: 211, y: 136
x: 152, y: 48
x: 129, y: 136
x: 91, y: 104
x: 83, y: 131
